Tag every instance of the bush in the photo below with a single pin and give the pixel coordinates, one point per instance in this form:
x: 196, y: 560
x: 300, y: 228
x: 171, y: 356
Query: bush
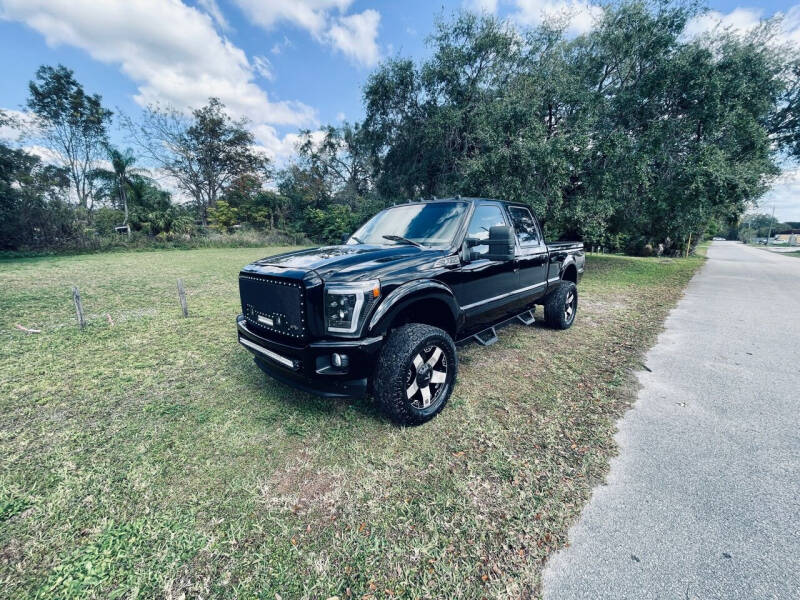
x: 106, y: 219
x: 332, y: 224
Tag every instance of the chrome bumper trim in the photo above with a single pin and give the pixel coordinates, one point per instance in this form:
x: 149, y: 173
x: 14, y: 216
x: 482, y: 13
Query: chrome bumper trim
x: 281, y: 360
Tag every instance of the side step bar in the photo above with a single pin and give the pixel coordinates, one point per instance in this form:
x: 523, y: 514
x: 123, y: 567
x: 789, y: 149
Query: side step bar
x: 527, y: 318
x: 488, y: 336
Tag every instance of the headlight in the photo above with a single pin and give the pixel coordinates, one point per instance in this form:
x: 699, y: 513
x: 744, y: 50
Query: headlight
x: 347, y: 305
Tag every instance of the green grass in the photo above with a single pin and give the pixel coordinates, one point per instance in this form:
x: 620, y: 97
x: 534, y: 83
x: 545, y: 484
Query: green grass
x: 152, y: 458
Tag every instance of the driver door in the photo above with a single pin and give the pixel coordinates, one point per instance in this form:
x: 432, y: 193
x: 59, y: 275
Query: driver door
x: 482, y: 286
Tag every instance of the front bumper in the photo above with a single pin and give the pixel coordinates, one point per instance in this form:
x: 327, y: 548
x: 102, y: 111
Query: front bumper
x: 309, y: 367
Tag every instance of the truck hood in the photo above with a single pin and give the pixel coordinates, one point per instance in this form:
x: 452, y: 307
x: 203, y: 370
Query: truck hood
x: 352, y: 262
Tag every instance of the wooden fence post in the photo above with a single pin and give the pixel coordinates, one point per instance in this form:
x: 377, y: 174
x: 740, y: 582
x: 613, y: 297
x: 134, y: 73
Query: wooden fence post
x: 76, y: 297
x: 182, y: 298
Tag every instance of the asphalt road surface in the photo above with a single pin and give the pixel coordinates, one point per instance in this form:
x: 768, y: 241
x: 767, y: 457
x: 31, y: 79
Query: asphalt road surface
x: 703, y: 501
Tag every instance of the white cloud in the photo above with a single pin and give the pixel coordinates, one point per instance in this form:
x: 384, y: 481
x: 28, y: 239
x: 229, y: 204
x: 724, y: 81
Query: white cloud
x: 280, y: 148
x: 172, y: 52
x: 279, y: 47
x: 791, y: 24
x: 10, y: 133
x: 212, y: 8
x: 579, y: 16
x: 263, y: 67
x: 311, y: 15
x: 743, y: 20
x: 784, y: 195
x: 46, y: 154
x: 740, y: 19
x: 481, y: 6
x: 354, y: 35
x: 788, y: 177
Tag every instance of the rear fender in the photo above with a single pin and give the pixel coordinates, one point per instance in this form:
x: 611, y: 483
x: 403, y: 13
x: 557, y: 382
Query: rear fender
x: 569, y: 260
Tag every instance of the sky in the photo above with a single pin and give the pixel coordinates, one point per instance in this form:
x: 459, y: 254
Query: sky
x: 285, y: 65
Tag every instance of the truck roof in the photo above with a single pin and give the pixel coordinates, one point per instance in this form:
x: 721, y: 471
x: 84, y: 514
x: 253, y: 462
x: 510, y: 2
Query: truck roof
x: 458, y: 199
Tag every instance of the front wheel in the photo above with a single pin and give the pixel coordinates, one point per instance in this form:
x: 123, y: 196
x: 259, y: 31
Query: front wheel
x: 561, y: 306
x: 415, y: 373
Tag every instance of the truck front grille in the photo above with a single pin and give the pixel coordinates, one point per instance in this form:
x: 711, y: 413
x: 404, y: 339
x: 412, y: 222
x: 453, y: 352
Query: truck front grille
x: 273, y: 306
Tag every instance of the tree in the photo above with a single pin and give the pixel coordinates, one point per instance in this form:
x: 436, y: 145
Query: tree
x: 759, y: 225
x: 33, y: 207
x: 224, y: 215
x: 119, y: 179
x: 255, y: 205
x: 331, y: 225
x: 205, y: 153
x: 70, y: 123
x: 339, y: 159
x: 627, y: 136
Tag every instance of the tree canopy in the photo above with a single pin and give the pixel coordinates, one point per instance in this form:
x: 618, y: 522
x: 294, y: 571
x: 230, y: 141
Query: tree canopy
x: 630, y: 134
x: 71, y: 123
x: 205, y: 153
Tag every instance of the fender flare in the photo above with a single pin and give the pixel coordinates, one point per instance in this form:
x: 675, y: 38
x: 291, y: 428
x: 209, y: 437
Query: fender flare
x: 407, y: 293
x: 569, y: 260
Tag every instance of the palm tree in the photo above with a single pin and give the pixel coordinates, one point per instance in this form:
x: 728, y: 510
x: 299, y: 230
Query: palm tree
x: 120, y: 178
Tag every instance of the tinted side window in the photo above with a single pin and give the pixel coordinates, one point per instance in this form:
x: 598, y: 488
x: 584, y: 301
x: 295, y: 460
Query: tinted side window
x: 484, y: 217
x: 524, y: 225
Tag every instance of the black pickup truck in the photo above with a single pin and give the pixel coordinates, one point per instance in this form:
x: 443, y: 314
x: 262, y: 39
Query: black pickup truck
x: 383, y: 311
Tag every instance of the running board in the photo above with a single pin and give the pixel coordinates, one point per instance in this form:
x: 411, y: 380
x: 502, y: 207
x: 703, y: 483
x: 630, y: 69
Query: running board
x: 487, y: 337
x: 527, y: 318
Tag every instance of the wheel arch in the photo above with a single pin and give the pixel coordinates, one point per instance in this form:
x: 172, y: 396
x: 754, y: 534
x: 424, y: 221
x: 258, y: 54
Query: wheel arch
x: 570, y: 271
x: 423, y: 301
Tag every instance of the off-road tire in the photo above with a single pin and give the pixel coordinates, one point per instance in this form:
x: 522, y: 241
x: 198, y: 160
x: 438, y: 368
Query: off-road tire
x: 396, y: 364
x: 556, y: 313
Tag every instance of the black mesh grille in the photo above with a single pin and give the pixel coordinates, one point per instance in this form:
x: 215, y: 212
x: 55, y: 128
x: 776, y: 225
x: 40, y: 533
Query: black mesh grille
x: 273, y: 305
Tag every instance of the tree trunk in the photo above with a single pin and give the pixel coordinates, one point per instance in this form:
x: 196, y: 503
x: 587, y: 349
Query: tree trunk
x: 124, y: 196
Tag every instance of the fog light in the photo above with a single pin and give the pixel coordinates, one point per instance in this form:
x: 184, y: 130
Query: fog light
x: 339, y: 360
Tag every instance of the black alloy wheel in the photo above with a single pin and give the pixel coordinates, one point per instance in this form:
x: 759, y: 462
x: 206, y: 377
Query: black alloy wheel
x: 415, y: 373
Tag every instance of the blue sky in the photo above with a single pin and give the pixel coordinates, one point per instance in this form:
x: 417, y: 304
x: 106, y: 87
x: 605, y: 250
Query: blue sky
x: 283, y: 64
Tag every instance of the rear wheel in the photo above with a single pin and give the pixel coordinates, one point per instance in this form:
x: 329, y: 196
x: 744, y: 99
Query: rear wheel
x: 415, y: 373
x: 561, y: 306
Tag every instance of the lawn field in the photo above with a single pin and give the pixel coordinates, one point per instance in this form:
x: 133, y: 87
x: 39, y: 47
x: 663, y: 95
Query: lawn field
x: 151, y: 458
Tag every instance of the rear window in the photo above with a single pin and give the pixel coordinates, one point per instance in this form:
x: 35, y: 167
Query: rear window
x: 525, y: 226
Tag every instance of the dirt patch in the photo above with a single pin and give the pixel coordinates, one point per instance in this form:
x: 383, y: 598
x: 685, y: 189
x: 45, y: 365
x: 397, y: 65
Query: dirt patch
x: 303, y: 488
x: 193, y: 580
x: 11, y: 553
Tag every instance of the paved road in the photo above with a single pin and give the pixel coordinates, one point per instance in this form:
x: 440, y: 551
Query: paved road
x: 704, y: 500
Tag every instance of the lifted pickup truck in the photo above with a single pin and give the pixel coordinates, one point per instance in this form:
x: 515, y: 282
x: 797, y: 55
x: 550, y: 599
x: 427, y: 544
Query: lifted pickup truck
x: 383, y: 311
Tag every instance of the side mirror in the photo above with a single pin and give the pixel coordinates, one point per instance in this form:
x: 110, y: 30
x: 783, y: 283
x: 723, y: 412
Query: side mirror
x: 465, y: 253
x: 345, y: 237
x: 501, y: 243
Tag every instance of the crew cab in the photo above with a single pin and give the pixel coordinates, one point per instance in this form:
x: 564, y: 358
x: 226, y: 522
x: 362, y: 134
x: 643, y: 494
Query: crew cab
x: 383, y: 312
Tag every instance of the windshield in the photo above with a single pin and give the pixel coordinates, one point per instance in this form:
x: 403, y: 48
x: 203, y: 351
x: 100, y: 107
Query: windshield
x: 432, y: 224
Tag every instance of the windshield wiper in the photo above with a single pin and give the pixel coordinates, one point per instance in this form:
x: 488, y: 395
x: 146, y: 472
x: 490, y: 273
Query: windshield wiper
x: 400, y: 238
x: 359, y: 240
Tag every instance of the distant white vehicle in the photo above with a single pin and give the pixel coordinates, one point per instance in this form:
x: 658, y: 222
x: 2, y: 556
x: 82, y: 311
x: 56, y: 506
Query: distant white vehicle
x: 718, y: 239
